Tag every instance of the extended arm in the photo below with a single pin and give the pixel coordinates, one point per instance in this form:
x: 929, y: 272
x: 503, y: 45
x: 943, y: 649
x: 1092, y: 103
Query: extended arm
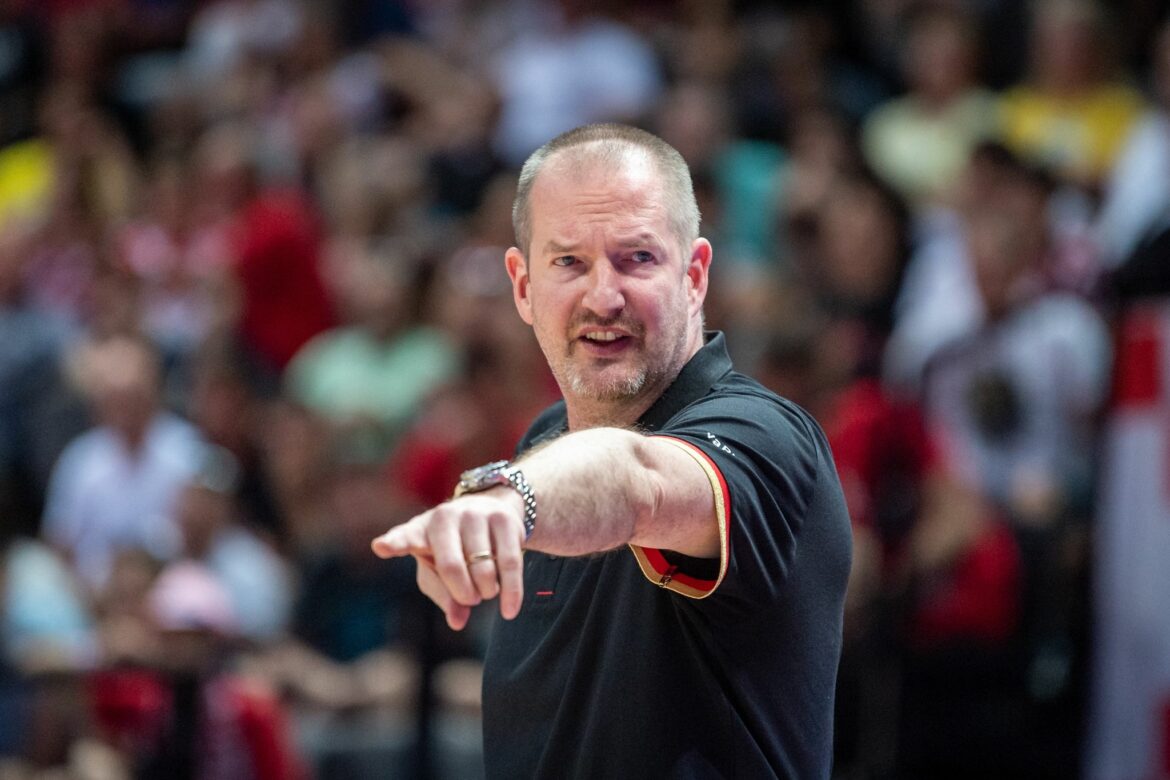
x: 596, y: 490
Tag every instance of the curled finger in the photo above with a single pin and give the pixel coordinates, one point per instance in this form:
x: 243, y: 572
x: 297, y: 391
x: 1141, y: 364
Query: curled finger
x: 445, y: 538
x: 509, y: 565
x: 433, y: 588
x: 481, y: 560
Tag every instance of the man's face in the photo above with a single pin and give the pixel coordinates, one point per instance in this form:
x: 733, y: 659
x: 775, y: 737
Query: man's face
x: 613, y: 299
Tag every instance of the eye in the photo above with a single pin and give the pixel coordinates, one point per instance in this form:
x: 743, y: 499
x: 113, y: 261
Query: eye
x: 642, y: 256
x: 564, y: 261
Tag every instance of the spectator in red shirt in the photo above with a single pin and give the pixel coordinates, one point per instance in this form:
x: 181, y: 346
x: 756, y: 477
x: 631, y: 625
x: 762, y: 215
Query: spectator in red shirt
x: 276, y: 246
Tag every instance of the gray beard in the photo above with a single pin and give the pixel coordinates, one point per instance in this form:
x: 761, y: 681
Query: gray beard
x: 615, y: 390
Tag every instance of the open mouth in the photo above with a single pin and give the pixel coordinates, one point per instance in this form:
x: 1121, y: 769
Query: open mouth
x: 604, y: 342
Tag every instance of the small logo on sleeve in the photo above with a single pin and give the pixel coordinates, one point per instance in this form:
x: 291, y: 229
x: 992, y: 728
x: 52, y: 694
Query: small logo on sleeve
x: 718, y: 444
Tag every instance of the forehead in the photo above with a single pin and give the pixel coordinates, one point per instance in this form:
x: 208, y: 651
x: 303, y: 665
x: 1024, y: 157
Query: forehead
x: 572, y: 195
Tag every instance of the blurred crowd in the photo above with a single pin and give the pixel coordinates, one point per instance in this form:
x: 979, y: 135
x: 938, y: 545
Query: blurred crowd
x: 253, y: 312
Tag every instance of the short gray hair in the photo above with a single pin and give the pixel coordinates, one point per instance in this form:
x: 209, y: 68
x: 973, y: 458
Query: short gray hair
x: 611, y: 143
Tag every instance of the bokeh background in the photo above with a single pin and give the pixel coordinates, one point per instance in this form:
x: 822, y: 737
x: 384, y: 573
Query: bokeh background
x: 253, y: 312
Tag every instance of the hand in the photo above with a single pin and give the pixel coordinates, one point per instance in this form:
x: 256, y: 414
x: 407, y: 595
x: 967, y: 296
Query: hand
x: 468, y: 549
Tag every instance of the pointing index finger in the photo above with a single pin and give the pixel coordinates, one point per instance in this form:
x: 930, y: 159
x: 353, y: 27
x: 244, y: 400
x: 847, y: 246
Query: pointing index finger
x: 406, y: 539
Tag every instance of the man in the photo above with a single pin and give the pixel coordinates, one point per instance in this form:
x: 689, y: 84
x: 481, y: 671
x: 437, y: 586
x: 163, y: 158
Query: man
x: 115, y: 487
x: 725, y: 495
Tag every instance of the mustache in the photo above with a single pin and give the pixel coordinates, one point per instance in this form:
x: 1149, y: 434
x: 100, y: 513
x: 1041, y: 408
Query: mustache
x: 620, y: 322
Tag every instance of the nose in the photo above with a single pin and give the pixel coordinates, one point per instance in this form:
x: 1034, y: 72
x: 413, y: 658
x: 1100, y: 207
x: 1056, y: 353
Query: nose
x: 604, y: 296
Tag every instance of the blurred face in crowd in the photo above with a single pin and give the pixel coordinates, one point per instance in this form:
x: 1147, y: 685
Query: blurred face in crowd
x: 125, y: 382
x: 1067, y: 46
x: 858, y: 243
x: 996, y: 244
x: 202, y: 512
x: 613, y: 295
x: 940, y: 58
x: 374, y: 294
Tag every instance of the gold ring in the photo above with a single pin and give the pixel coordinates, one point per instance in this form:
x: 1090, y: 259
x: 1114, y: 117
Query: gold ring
x: 485, y: 555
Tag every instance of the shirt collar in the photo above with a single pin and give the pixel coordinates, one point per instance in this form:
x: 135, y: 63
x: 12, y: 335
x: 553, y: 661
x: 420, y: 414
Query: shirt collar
x: 706, y: 367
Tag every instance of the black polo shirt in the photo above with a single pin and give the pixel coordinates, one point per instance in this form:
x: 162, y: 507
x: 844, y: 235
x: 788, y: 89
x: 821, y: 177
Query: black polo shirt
x: 647, y: 663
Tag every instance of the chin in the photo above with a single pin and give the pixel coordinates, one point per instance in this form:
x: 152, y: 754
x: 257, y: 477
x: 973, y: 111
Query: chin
x: 608, y: 388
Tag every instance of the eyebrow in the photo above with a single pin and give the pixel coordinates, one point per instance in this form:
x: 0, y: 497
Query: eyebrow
x: 642, y: 239
x: 554, y: 246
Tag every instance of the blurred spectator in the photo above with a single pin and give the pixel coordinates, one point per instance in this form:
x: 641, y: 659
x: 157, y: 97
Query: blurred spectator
x: 862, y: 241
x: 115, y: 486
x: 371, y: 186
x: 294, y: 449
x: 275, y: 242
x: 350, y: 604
x: 450, y: 110
x: 1073, y: 113
x: 38, y: 412
x: 747, y: 175
x: 920, y: 142
x: 380, y: 366
x: 539, y: 76
x: 88, y: 180
x: 187, y: 716
x: 226, y: 32
x: 1016, y: 400
x: 47, y: 643
x: 229, y: 414
x: 179, y: 262
x: 46, y: 623
x: 125, y: 631
x: 793, y: 60
x: 939, y: 300
x: 76, y: 160
x: 359, y: 632
x: 822, y: 148
x: 254, y: 576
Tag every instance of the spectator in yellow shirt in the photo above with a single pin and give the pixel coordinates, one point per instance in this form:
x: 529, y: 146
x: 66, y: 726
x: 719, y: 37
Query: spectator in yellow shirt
x: 1073, y: 113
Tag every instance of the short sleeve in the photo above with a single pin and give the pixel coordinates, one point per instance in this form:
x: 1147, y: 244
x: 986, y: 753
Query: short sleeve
x: 763, y: 457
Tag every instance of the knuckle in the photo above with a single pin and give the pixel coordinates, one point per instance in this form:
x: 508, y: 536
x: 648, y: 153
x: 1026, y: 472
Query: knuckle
x: 438, y: 518
x: 509, y: 564
x: 450, y: 566
x: 469, y: 517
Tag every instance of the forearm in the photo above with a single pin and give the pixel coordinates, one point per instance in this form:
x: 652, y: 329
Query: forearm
x: 605, y: 487
x: 595, y: 490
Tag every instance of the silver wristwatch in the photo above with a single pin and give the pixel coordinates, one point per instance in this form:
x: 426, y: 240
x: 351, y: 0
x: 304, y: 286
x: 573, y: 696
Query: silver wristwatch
x: 501, y: 472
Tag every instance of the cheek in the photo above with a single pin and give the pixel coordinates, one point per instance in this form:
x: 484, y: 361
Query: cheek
x: 545, y: 312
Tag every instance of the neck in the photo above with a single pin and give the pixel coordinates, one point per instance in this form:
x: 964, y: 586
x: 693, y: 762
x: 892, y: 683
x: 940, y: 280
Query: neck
x: 584, y: 414
x: 625, y: 412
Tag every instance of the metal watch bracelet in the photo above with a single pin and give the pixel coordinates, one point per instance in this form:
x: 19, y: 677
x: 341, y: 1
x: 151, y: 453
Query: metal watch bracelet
x: 517, y: 480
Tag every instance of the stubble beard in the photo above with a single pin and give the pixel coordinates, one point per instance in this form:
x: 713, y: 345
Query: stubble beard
x: 602, y: 384
x: 620, y: 388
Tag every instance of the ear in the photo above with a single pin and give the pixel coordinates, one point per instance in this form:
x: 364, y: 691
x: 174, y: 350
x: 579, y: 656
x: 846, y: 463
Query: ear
x: 518, y: 272
x: 697, y: 273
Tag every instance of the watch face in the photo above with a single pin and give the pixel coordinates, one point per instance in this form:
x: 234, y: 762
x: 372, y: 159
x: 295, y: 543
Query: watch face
x: 482, y: 477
